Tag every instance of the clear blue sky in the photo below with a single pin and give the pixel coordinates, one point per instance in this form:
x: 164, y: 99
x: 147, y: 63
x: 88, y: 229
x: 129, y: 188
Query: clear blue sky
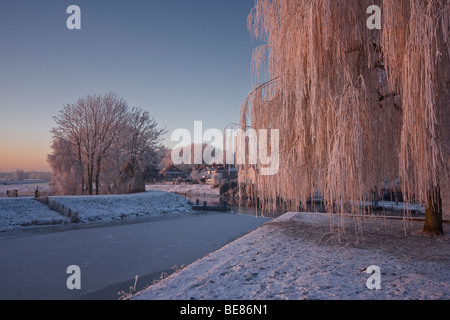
x: 183, y: 60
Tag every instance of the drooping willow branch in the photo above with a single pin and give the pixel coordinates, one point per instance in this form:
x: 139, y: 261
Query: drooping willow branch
x: 354, y: 108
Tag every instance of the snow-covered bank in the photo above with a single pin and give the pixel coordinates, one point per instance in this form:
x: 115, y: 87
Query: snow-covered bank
x: 26, y: 212
x: 117, y: 207
x: 295, y: 257
x: 193, y: 189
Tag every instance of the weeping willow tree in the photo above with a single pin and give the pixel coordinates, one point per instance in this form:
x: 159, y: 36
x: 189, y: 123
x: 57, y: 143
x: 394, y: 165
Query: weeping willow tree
x: 354, y: 106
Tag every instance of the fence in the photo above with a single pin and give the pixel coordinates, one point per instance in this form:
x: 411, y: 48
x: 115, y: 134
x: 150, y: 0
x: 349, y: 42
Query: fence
x: 22, y: 193
x: 60, y: 208
x: 12, y: 193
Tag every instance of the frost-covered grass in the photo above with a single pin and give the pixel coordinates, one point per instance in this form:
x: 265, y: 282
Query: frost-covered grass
x: 295, y: 257
x: 25, y: 212
x: 117, y: 207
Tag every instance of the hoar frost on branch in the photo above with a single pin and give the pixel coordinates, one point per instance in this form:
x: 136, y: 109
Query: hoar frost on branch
x: 96, y: 140
x: 354, y: 106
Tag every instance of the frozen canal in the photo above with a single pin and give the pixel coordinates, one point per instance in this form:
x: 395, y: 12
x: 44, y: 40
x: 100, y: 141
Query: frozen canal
x: 34, y: 264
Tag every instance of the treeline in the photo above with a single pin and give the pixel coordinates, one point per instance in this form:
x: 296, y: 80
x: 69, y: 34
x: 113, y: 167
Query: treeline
x: 102, y: 146
x: 20, y: 174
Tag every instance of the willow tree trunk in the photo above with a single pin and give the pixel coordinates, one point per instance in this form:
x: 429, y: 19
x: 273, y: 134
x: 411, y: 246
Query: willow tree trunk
x: 433, y: 213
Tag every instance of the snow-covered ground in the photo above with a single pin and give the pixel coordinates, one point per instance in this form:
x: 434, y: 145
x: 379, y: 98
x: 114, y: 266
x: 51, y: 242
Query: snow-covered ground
x: 117, y: 207
x: 292, y: 257
x: 193, y: 189
x: 25, y: 187
x: 296, y: 257
x: 26, y: 212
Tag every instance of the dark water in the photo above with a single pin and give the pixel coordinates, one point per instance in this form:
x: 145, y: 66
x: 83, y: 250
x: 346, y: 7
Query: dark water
x: 249, y: 207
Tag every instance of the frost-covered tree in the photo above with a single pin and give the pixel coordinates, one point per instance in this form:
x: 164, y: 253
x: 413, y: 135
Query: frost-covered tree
x: 354, y: 106
x: 95, y: 137
x: 141, y: 138
x: 91, y: 125
x: 67, y: 175
x: 67, y: 144
x: 106, y: 120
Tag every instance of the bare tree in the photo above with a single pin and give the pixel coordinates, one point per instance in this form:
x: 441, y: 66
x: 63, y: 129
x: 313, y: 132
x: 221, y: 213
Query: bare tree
x: 95, y: 137
x: 65, y: 178
x: 90, y: 126
x: 70, y: 130
x: 110, y: 120
x: 140, y: 140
